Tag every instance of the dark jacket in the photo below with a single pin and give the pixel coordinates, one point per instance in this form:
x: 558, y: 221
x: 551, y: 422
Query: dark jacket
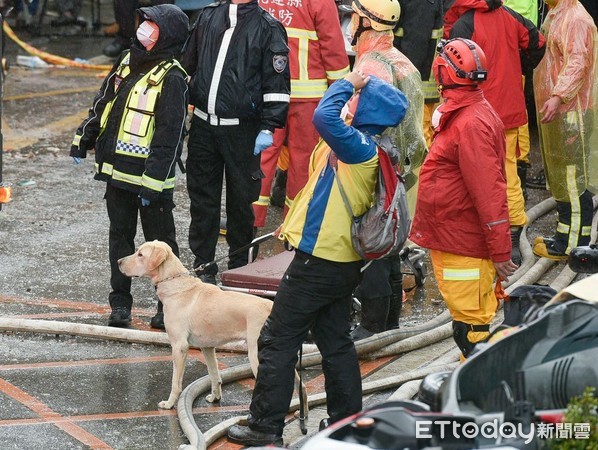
x: 418, y: 32
x: 237, y: 56
x: 170, y: 111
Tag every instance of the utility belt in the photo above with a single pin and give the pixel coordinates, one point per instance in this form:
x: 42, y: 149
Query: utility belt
x: 214, y: 120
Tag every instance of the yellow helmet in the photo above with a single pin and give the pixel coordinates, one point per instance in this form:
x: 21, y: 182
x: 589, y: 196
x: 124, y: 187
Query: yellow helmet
x: 383, y: 14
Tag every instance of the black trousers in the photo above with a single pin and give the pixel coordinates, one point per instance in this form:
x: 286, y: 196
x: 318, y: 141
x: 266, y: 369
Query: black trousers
x: 157, y: 222
x: 381, y: 294
x: 314, y: 294
x: 215, y: 152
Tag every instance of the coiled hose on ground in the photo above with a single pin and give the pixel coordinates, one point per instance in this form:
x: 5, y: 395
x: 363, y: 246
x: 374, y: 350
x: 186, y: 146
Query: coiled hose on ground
x: 383, y: 344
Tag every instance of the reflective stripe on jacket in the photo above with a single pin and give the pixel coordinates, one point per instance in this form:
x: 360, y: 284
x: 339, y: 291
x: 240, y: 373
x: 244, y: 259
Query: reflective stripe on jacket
x: 417, y: 35
x: 317, y: 55
x: 137, y: 126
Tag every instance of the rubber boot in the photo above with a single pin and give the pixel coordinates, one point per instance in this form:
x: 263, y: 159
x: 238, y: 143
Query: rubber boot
x: 522, y: 167
x: 373, y: 317
x: 555, y: 247
x: 537, y: 182
x: 396, y: 305
x: 279, y: 189
x: 587, y: 215
x: 515, y: 250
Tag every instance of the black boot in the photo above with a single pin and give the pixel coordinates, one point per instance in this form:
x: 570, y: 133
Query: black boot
x: 396, y: 298
x: 522, y: 167
x: 515, y: 250
x: 537, y: 182
x: 279, y: 189
x: 555, y: 247
x: 586, y: 206
x: 373, y: 317
x: 158, y: 320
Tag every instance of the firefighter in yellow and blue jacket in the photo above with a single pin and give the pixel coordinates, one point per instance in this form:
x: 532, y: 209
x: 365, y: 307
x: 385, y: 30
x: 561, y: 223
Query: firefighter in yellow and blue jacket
x: 137, y: 125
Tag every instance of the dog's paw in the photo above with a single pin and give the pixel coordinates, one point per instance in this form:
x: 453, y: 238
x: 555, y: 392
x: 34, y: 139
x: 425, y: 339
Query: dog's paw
x: 165, y: 404
x: 211, y: 398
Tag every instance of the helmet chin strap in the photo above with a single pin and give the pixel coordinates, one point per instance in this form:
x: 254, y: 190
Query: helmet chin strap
x: 360, y: 29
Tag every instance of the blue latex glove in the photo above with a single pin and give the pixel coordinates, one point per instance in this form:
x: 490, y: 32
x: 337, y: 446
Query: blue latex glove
x: 144, y: 201
x: 263, y: 141
x: 76, y: 160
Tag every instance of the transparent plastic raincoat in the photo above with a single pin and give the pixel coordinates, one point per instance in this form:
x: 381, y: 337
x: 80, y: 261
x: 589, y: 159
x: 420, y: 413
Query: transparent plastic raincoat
x: 569, y: 143
x: 377, y: 56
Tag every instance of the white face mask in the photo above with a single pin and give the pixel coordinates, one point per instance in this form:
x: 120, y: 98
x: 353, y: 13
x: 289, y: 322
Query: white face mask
x: 436, y: 115
x: 144, y: 34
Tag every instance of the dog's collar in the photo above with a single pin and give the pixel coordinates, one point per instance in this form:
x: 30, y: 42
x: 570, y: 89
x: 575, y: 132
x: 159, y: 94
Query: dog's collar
x: 182, y: 274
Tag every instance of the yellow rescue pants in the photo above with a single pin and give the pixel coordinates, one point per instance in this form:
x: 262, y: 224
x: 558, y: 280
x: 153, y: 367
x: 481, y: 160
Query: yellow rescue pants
x: 467, y: 287
x: 515, y: 199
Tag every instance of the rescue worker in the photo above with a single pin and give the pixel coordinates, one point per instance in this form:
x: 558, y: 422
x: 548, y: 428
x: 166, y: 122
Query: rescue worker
x: 529, y: 10
x: 237, y: 56
x: 566, y: 91
x: 317, y: 58
x: 416, y: 36
x: 137, y: 125
x: 315, y: 292
x: 373, y: 21
x: 510, y: 42
x: 462, y: 213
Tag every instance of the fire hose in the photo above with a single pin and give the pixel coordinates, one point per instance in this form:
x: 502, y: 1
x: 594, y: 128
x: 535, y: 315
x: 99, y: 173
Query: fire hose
x: 398, y: 341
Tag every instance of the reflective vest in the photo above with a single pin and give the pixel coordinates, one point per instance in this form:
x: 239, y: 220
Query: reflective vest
x: 137, y: 124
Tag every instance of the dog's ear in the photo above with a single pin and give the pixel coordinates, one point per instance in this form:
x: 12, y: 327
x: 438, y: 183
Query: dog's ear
x: 157, y: 257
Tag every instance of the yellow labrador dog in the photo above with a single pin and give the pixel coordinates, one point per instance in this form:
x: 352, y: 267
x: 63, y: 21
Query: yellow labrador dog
x: 197, y: 314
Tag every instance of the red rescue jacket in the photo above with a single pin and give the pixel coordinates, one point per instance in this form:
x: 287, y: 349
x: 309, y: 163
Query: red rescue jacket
x: 512, y: 44
x: 317, y: 56
x: 462, y: 198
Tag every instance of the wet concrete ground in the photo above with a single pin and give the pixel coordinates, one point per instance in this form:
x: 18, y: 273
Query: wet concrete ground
x: 65, y: 392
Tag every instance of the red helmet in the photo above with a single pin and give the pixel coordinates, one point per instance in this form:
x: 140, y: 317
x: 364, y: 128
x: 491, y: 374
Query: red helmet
x: 464, y: 61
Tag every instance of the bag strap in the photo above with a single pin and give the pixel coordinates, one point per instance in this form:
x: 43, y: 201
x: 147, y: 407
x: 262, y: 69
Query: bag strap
x: 333, y: 161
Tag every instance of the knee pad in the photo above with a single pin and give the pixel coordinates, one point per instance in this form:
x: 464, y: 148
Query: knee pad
x: 460, y: 332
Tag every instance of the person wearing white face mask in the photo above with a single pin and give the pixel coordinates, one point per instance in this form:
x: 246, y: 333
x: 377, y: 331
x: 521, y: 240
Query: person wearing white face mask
x: 137, y: 126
